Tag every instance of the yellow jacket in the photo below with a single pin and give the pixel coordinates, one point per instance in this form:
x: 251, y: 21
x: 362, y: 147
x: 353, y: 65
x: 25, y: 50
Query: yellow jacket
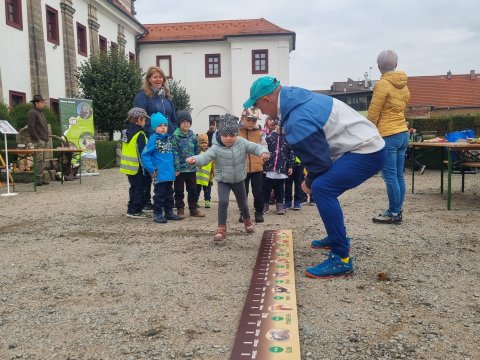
x: 389, y: 100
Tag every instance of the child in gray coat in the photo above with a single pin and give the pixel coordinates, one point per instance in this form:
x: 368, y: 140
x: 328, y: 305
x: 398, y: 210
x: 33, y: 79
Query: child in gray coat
x: 229, y: 152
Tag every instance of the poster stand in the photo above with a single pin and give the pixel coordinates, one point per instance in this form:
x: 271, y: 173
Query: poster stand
x: 6, y: 128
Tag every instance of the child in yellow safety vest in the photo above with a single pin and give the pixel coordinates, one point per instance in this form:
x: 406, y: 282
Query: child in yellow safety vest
x: 133, y: 141
x: 205, y: 173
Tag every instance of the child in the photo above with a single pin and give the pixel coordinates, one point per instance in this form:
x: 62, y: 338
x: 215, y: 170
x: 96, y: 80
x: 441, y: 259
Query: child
x: 252, y: 132
x: 277, y: 169
x: 133, y: 141
x: 295, y: 179
x: 205, y: 173
x: 229, y: 152
x: 157, y: 158
x: 186, y: 144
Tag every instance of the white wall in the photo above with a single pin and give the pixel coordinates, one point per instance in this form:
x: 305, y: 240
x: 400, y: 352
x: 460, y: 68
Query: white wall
x: 14, y: 58
x: 54, y: 55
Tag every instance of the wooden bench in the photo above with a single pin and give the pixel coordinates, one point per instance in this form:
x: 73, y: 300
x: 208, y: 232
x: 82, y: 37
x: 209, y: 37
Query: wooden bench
x: 462, y: 165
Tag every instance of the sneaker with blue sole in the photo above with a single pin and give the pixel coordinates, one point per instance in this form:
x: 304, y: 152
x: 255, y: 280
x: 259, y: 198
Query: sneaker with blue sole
x: 330, y: 268
x: 324, y: 243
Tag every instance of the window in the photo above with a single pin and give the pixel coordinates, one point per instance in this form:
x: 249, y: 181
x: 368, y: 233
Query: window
x: 259, y: 61
x: 102, y: 43
x: 16, y: 98
x: 52, y: 25
x: 131, y: 56
x: 212, y: 65
x: 81, y: 39
x: 13, y: 13
x: 164, y: 62
x: 54, y: 105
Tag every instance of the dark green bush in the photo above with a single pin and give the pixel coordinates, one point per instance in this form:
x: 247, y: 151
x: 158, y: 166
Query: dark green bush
x: 106, y: 153
x: 447, y: 124
x: 4, y: 115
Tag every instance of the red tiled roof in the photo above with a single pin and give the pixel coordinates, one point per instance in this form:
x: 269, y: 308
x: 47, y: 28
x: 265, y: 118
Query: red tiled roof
x: 439, y: 91
x: 211, y: 30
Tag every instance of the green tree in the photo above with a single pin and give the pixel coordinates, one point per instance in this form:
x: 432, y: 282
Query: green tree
x: 181, y: 99
x: 4, y: 112
x: 111, y: 80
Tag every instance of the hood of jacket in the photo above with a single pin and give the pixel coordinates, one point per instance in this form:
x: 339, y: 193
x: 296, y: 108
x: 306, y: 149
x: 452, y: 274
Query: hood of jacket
x: 396, y: 78
x: 293, y: 98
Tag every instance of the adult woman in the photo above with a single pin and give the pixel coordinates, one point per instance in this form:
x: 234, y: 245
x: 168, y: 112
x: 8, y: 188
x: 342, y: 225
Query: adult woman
x: 387, y: 111
x: 154, y: 97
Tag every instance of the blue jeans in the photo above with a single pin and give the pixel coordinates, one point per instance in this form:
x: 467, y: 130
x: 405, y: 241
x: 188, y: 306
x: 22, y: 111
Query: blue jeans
x: 392, y: 171
x: 347, y: 172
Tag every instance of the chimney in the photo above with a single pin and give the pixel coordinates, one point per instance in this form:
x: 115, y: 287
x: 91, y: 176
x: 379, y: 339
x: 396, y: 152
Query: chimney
x: 449, y: 75
x: 472, y: 75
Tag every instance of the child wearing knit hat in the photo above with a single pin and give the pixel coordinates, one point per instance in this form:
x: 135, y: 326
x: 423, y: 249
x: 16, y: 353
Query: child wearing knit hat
x: 186, y: 144
x: 229, y: 152
x: 157, y: 158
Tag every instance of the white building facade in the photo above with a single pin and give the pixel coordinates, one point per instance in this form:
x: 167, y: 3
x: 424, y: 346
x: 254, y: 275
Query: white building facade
x: 44, y: 41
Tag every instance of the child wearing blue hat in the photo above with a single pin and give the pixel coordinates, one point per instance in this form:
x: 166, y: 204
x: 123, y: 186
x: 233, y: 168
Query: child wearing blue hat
x: 157, y: 158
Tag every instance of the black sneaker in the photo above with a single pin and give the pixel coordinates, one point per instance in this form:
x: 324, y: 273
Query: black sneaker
x: 139, y: 215
x: 148, y: 207
x: 240, y: 219
x: 258, y: 217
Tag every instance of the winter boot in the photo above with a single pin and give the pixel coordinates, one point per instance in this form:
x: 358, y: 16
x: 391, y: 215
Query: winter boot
x: 170, y: 215
x: 220, y: 234
x: 196, y: 213
x: 181, y: 212
x: 248, y: 225
x: 266, y: 207
x: 258, y: 217
x: 159, y: 218
x: 280, y: 209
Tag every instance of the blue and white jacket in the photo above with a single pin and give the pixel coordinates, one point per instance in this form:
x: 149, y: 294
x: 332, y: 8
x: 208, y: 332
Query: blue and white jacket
x: 158, y: 156
x: 320, y: 129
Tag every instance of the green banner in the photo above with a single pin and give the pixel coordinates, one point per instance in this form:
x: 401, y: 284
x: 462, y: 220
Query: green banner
x: 76, y: 119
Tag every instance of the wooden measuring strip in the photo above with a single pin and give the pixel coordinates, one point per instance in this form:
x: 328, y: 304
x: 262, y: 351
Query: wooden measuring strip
x: 268, y: 328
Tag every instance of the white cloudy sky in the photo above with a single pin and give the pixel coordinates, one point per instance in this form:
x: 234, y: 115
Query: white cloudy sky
x: 336, y: 39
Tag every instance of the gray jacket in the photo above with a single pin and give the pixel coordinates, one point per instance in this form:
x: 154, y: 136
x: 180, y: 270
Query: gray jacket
x: 230, y: 162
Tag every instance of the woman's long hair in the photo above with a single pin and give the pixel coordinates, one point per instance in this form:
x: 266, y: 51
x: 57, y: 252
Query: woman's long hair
x: 147, y: 87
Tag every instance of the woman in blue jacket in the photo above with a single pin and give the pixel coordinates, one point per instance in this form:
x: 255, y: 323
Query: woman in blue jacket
x: 155, y: 97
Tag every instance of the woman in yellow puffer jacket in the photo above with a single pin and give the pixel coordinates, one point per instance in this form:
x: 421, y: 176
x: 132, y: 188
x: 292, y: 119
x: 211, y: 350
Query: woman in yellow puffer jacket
x: 387, y: 111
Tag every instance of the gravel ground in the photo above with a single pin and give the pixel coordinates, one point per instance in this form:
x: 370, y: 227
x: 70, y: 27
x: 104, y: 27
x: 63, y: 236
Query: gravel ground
x: 79, y: 280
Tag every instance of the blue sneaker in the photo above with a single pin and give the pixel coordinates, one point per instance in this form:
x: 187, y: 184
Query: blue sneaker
x: 287, y: 205
x: 324, y: 243
x: 332, y: 267
x: 297, y: 205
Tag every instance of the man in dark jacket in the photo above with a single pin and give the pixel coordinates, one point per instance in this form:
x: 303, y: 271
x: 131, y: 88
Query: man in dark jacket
x: 38, y: 130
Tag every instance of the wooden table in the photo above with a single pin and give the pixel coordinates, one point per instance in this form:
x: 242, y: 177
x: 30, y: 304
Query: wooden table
x: 34, y: 152
x: 449, y: 148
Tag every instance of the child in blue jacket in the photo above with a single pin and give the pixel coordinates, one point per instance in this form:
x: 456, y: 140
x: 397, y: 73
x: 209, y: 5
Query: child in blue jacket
x: 157, y: 158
